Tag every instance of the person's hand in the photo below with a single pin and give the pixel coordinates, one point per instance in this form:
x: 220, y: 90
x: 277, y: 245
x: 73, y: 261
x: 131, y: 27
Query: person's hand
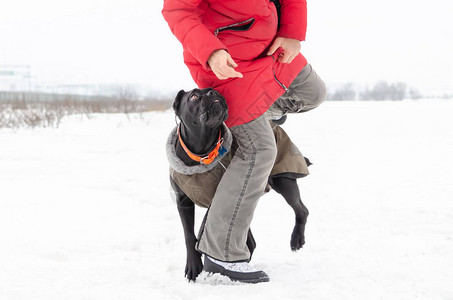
x: 223, y: 65
x: 291, y: 48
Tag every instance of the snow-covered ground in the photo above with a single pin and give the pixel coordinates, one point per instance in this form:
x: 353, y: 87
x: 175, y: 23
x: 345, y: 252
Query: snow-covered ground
x: 86, y: 213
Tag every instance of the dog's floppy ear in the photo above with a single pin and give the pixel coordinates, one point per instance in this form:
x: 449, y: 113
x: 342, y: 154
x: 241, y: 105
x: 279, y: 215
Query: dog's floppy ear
x: 178, y: 99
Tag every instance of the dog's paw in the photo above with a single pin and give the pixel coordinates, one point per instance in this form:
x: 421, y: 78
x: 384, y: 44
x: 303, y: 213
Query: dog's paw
x: 297, y: 237
x: 194, y: 266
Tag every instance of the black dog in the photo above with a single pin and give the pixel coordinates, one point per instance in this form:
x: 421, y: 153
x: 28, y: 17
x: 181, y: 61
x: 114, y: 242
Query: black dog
x: 202, y: 113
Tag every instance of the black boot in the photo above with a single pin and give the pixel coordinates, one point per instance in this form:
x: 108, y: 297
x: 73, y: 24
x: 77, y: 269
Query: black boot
x: 280, y: 120
x: 241, y: 272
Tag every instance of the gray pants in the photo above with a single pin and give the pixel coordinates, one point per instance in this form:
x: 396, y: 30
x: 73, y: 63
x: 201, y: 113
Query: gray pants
x: 223, y: 233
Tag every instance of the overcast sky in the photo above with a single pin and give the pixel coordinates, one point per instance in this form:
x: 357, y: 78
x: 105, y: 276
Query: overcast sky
x: 127, y: 41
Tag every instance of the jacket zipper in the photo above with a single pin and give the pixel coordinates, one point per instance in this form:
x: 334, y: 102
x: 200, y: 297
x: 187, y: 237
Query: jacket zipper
x: 232, y: 26
x: 275, y: 76
x: 273, y: 68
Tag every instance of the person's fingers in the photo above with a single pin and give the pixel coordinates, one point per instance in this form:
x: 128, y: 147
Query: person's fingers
x: 222, y: 75
x: 222, y: 64
x: 283, y: 58
x: 218, y: 73
x: 227, y: 72
x: 291, y: 59
x: 287, y: 57
x: 290, y: 47
x: 233, y: 73
x: 231, y: 62
x: 274, y: 47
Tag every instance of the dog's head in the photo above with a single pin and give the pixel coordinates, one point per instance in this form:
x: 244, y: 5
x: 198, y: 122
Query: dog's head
x: 205, y: 107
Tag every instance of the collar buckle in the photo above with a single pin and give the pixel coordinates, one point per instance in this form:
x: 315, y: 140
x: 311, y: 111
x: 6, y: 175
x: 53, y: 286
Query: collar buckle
x: 207, y: 159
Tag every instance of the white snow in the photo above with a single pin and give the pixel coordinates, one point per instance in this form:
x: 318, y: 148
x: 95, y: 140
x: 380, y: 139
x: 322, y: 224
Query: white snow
x: 86, y: 213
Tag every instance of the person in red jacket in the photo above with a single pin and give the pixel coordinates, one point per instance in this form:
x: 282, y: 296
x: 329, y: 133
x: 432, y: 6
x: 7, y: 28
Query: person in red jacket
x: 252, y: 57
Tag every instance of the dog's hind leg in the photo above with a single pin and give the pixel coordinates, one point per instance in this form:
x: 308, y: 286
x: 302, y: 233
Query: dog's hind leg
x: 288, y: 188
x: 186, y: 209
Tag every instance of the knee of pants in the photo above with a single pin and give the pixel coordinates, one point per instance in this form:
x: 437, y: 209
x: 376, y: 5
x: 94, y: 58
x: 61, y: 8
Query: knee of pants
x: 266, y: 156
x: 320, y: 95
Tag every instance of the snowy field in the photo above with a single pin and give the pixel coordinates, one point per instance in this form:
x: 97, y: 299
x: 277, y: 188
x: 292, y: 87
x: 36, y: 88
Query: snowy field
x: 86, y: 213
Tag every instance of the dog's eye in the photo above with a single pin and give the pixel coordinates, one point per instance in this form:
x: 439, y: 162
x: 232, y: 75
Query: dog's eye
x: 193, y: 97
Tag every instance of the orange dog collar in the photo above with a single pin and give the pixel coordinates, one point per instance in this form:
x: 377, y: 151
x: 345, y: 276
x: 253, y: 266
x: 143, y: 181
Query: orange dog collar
x: 207, y: 159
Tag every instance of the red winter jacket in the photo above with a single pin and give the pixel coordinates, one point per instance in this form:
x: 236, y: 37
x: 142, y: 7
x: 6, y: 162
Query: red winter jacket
x: 245, y: 29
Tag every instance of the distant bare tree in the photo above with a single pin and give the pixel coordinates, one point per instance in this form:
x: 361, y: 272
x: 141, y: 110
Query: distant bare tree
x: 382, y: 90
x: 346, y: 92
x: 414, y: 94
x: 18, y: 109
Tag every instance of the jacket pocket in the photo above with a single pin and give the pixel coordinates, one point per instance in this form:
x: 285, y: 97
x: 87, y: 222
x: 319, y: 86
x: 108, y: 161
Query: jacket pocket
x: 239, y: 26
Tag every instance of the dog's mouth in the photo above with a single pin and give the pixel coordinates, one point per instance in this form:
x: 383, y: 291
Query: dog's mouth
x: 214, y: 111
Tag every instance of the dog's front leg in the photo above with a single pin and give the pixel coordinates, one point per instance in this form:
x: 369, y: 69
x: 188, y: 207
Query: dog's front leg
x: 186, y: 209
x: 289, y: 189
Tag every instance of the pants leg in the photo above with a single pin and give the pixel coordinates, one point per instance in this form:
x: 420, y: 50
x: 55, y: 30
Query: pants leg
x: 223, y: 233
x: 306, y: 92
